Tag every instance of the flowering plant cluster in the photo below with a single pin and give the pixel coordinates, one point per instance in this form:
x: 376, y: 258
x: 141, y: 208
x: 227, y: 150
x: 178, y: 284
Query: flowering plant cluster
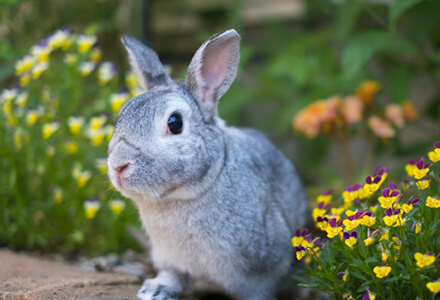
x: 335, y: 115
x: 382, y: 241
x: 54, y: 127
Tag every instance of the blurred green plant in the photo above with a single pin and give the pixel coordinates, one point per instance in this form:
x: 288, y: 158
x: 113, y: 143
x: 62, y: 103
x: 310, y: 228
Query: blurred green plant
x: 54, y: 129
x: 381, y: 242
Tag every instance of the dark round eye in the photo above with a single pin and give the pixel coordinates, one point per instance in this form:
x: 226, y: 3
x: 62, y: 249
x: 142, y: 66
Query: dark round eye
x: 175, y: 123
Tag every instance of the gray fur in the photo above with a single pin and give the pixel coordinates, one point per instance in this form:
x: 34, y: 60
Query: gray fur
x: 218, y: 203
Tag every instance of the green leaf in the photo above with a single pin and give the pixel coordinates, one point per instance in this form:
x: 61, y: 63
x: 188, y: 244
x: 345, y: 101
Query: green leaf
x: 364, y: 45
x: 399, y: 83
x: 399, y: 7
x: 348, y: 14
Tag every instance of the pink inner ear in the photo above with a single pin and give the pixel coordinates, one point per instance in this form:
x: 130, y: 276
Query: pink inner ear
x: 214, y: 69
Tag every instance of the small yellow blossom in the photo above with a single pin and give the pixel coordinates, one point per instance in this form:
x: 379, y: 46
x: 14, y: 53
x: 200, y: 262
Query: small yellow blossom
x: 384, y: 237
x: 351, y: 242
x: 300, y: 254
x: 317, y: 212
x: 387, y: 202
x: 85, y: 68
x: 81, y: 176
x: 40, y: 53
x: 433, y: 202
x: 97, y: 122
x: 71, y: 147
x: 333, y: 231
x: 424, y: 260
x: 117, y: 100
x: 96, y: 136
x: 336, y: 211
x: 22, y: 99
x: 434, y: 287
x: 38, y: 69
x: 368, y: 221
x: 75, y: 124
x: 297, y: 241
x: 24, y: 65
x: 70, y: 58
x: 24, y: 79
x: 368, y: 241
x: 409, y: 168
x: 397, y: 243
x: 18, y: 140
x: 382, y: 271
x: 106, y: 72
x: 350, y: 225
x: 384, y: 256
x: 101, y: 164
x: 58, y: 195
x: 131, y: 80
x: 85, y: 42
x: 434, y: 156
x: 117, y: 206
x: 95, y: 55
x: 423, y: 184
x: 60, y: 39
x: 48, y: 129
x: 417, y: 228
x: 407, y: 208
x: 373, y: 209
x: 109, y: 131
x: 91, y: 207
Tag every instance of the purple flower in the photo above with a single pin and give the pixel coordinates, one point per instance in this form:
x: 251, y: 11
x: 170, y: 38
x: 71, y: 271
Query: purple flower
x: 437, y: 144
x: 420, y: 166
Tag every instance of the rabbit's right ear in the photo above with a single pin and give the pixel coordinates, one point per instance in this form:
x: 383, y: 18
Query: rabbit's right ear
x: 213, y: 69
x: 146, y: 64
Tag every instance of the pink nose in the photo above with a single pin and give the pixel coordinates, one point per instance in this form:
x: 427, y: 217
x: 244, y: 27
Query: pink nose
x: 121, y: 168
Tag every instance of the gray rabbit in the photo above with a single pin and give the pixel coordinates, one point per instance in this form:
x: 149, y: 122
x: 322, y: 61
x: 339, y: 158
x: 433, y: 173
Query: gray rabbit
x: 218, y: 203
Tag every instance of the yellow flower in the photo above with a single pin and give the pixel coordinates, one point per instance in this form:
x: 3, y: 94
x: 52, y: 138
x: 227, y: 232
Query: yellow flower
x: 434, y: 156
x: 81, y: 176
x: 101, y: 164
x: 70, y: 58
x: 387, y: 202
x: 317, y: 212
x: 85, y: 42
x: 24, y: 65
x: 106, y: 72
x: 384, y: 256
x: 117, y: 206
x: 373, y: 209
x: 71, y: 147
x: 41, y: 53
x: 21, y: 99
x: 417, y: 228
x: 58, y: 195
x: 131, y: 80
x: 18, y: 141
x: 97, y: 122
x: 423, y: 184
x: 397, y: 243
x: 333, y: 231
x: 433, y: 202
x: 420, y: 173
x: 336, y: 211
x: 91, y: 207
x: 350, y: 225
x: 424, y: 260
x: 384, y: 237
x: 434, y: 287
x: 368, y: 241
x: 117, y: 100
x: 60, y: 39
x: 300, y: 254
x: 96, y: 136
x: 297, y: 241
x: 407, y: 208
x: 24, y: 79
x: 38, y: 69
x: 85, y: 68
x: 95, y: 55
x: 48, y: 129
x: 390, y: 220
x: 368, y: 221
x: 409, y: 168
x: 351, y: 242
x: 75, y: 124
x: 382, y: 271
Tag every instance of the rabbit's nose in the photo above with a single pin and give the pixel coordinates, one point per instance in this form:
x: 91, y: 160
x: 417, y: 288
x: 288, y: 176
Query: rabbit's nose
x: 121, y: 168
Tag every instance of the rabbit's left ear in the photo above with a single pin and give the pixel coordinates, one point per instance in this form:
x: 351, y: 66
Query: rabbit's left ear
x: 146, y: 64
x: 213, y: 69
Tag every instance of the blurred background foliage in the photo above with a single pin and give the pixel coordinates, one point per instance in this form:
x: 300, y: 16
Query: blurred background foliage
x: 294, y: 52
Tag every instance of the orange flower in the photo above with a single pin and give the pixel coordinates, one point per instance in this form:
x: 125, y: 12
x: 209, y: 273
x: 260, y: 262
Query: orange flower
x: 352, y: 109
x: 367, y: 90
x: 394, y: 113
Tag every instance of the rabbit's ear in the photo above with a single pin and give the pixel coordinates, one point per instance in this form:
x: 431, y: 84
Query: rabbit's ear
x: 213, y: 69
x: 145, y: 63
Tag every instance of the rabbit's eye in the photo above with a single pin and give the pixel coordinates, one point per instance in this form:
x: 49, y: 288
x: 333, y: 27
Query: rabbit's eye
x: 175, y: 123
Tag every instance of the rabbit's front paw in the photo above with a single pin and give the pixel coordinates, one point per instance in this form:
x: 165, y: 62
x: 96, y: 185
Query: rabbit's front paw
x: 152, y: 290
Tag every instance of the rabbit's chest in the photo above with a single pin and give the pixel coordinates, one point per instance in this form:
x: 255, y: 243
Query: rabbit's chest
x: 189, y: 244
